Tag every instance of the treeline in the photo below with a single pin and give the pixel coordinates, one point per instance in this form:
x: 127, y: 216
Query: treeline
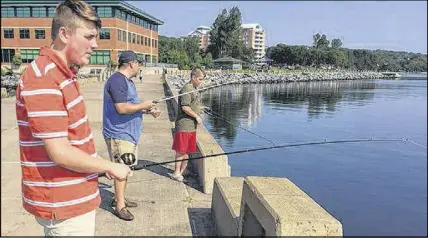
x: 225, y: 40
x: 183, y: 51
x: 326, y: 53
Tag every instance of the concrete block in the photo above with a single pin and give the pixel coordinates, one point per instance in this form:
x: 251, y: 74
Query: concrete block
x: 277, y: 207
x: 225, y: 205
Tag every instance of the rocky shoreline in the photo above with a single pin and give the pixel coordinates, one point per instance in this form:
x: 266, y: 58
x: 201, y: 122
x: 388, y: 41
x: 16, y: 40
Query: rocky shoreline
x: 267, y: 78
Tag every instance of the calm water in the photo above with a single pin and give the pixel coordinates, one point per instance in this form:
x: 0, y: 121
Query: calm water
x: 373, y: 188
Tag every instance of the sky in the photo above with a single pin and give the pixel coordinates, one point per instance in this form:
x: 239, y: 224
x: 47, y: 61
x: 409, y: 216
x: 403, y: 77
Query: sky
x: 392, y: 25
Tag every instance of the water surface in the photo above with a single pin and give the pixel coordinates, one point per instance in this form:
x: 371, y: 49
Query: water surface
x: 373, y: 188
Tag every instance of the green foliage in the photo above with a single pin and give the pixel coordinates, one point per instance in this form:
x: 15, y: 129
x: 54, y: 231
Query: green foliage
x: 321, y: 54
x: 6, y: 71
x: 16, y: 60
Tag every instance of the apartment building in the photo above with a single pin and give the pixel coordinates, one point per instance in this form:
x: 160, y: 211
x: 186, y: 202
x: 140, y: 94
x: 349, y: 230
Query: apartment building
x: 253, y: 36
x: 204, y: 37
x: 26, y: 27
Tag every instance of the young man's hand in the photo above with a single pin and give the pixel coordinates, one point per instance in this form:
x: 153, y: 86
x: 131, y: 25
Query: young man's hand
x: 155, y: 112
x: 199, y: 119
x: 119, y: 171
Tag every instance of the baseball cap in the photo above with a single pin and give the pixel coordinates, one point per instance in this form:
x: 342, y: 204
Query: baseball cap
x: 128, y: 56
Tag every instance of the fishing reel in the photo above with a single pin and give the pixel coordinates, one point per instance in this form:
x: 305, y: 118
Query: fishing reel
x: 128, y: 159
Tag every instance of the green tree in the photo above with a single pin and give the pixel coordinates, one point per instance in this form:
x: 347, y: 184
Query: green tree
x: 336, y: 43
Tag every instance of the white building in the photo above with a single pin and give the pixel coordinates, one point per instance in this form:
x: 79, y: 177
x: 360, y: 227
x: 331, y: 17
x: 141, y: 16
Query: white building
x: 253, y: 36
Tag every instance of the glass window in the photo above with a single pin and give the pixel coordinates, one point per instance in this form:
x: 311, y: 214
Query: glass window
x: 140, y: 56
x: 133, y: 19
x: 133, y: 38
x: 7, y: 55
x: 24, y: 33
x: 100, y: 57
x: 40, y: 33
x: 118, y: 13
x: 129, y: 37
x: 51, y: 11
x: 104, y: 12
x: 124, y: 36
x: 8, y: 33
x: 138, y: 39
x: 7, y: 12
x: 28, y: 55
x: 124, y: 15
x: 23, y: 12
x: 156, y: 44
x: 128, y: 17
x: 154, y: 59
x: 104, y: 34
x: 39, y: 11
x: 119, y: 35
x: 147, y: 58
x: 149, y: 41
x: 145, y: 41
x: 153, y: 42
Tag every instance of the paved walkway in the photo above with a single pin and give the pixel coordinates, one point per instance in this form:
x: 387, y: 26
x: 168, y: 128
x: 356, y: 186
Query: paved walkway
x: 165, y: 207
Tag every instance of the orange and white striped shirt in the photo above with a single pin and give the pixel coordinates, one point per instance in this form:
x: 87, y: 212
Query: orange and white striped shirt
x: 48, y: 105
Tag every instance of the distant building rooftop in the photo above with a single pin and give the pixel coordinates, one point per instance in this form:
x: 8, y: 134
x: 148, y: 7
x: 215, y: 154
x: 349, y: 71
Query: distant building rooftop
x: 110, y: 3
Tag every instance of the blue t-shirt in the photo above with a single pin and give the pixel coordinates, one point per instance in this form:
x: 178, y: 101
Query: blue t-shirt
x: 119, y: 89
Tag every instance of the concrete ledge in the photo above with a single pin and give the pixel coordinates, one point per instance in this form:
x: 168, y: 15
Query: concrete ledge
x: 210, y: 168
x: 225, y: 205
x: 277, y: 207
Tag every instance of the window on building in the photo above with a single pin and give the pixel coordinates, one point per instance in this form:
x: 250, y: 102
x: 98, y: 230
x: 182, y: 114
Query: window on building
x: 138, y: 39
x: 7, y: 12
x: 7, y: 55
x: 100, y: 57
x: 147, y: 59
x: 23, y: 12
x: 24, y: 33
x: 39, y: 12
x: 156, y: 44
x: 124, y: 15
x: 142, y: 40
x: 104, y: 34
x: 124, y: 36
x: 140, y: 56
x: 133, y: 38
x: 8, y: 33
x: 40, y: 33
x: 128, y: 17
x: 145, y: 41
x: 134, y: 20
x: 119, y: 35
x: 154, y: 59
x: 129, y: 37
x: 149, y: 41
x: 104, y: 12
x: 51, y: 11
x: 28, y: 55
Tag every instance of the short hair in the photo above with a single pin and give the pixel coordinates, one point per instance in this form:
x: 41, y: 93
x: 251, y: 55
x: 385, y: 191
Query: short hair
x: 197, y: 72
x: 70, y: 12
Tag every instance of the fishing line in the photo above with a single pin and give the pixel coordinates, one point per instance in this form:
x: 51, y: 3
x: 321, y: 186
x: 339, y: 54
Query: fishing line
x: 209, y: 112
x: 140, y: 167
x: 193, y: 91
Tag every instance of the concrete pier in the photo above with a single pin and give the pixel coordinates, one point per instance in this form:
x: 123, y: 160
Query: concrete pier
x: 165, y: 207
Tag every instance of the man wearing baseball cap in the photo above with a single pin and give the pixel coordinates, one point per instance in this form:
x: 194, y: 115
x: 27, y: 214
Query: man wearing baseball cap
x: 122, y: 123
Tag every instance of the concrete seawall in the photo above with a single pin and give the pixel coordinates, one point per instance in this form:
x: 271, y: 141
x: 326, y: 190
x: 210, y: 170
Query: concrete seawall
x: 207, y: 169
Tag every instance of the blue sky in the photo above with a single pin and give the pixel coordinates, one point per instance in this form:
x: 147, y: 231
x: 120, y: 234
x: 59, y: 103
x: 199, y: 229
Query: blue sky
x: 360, y: 24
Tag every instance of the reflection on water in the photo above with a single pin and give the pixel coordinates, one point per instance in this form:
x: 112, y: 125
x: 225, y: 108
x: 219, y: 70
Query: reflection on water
x: 242, y: 104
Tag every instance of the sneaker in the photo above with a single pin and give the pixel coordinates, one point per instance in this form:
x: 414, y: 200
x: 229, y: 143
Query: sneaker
x: 127, y: 203
x: 178, y: 178
x: 124, y: 214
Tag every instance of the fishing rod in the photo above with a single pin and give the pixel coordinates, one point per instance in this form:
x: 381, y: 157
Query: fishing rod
x: 209, y: 112
x: 140, y: 167
x: 193, y: 91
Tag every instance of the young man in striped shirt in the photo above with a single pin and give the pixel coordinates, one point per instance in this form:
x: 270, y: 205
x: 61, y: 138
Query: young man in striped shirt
x: 58, y: 158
